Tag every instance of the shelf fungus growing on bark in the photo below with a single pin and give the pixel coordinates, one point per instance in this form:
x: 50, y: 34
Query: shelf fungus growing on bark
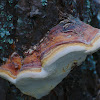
x: 65, y: 46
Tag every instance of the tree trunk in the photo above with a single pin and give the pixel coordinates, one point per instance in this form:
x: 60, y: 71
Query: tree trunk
x: 30, y: 20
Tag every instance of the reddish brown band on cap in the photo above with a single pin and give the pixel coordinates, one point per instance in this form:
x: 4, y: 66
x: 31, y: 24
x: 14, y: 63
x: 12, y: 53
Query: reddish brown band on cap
x: 32, y: 61
x: 13, y: 64
x: 68, y: 31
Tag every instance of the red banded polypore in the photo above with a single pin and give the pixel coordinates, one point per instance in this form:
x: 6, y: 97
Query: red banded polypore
x: 66, y: 45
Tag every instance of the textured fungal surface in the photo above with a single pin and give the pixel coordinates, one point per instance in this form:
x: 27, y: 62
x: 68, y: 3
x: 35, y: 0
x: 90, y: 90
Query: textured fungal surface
x: 65, y: 46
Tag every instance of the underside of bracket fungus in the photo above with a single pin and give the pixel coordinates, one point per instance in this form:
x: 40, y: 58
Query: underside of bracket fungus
x: 65, y: 46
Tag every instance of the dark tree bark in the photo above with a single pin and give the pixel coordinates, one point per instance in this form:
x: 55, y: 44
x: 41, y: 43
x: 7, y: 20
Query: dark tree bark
x: 31, y: 21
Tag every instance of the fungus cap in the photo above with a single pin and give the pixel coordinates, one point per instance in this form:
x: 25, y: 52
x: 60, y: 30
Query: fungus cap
x: 65, y: 46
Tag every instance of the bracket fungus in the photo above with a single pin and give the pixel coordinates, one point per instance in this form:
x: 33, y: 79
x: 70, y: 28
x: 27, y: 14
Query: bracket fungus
x: 66, y: 45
